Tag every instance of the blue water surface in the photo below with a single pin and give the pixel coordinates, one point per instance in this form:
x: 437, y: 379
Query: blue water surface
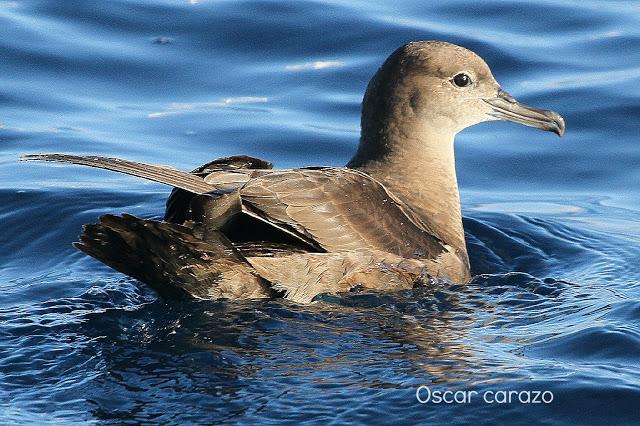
x: 553, y: 225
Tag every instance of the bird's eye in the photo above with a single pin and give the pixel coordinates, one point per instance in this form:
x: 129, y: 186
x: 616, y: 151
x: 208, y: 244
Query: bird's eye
x: 462, y: 80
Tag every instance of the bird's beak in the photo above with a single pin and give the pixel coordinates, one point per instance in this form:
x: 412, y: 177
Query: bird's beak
x: 505, y: 107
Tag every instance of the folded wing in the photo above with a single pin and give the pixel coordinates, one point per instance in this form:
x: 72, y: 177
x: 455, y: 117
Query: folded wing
x: 339, y: 210
x: 329, y: 209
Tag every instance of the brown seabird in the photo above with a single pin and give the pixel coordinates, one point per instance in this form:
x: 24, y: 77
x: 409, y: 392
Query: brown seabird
x: 235, y: 228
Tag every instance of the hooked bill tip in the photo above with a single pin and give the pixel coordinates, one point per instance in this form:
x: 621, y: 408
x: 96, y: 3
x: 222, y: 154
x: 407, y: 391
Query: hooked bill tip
x: 559, y: 124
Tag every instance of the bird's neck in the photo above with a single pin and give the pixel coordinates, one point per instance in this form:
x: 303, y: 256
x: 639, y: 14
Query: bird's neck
x: 418, y: 167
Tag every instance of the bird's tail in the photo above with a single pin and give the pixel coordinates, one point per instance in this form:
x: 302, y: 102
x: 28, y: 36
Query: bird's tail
x: 166, y: 175
x: 172, y: 259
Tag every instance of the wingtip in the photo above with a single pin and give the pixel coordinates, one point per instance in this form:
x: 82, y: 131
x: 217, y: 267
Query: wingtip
x: 39, y: 157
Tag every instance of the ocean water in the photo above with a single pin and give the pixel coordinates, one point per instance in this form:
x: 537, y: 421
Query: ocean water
x: 553, y: 225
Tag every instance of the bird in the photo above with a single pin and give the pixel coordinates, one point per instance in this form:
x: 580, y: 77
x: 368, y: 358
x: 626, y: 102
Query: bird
x: 236, y: 228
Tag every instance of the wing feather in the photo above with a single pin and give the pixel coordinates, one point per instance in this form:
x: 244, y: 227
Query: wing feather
x: 341, y: 210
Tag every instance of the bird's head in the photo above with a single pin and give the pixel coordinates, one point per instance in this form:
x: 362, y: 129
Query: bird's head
x: 444, y: 87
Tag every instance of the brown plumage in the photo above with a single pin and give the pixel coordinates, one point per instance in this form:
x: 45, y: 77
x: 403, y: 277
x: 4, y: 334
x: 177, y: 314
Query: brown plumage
x: 173, y: 259
x: 236, y: 228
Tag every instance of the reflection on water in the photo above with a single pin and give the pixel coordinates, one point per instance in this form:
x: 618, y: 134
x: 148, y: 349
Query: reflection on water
x: 552, y: 225
x: 184, y: 107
